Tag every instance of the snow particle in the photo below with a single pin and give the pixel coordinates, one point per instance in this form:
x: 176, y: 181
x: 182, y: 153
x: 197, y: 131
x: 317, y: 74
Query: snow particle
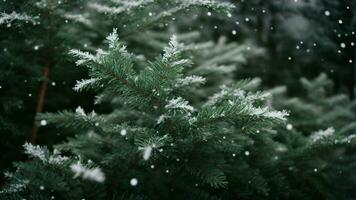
x: 80, y: 111
x: 93, y: 174
x: 234, y: 32
x: 133, y: 182
x: 209, y: 13
x: 289, y: 127
x: 247, y: 153
x: 147, y: 151
x: 342, y: 45
x: 42, y: 187
x: 327, y: 13
x: 43, y: 122
x: 123, y: 132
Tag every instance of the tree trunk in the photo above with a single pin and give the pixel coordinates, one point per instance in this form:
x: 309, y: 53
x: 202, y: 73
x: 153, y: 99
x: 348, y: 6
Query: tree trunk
x: 40, y: 101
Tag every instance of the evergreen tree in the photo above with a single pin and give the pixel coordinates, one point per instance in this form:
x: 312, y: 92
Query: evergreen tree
x: 322, y: 118
x: 163, y: 129
x: 178, y: 125
x: 156, y: 144
x: 334, y: 33
x: 35, y: 38
x: 317, y: 107
x: 302, y: 39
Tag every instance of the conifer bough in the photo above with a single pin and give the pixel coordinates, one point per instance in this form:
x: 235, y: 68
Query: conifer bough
x: 191, y: 146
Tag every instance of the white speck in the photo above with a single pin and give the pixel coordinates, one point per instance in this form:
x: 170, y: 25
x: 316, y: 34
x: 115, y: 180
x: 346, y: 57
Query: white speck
x: 234, y: 32
x: 247, y: 153
x: 161, y: 119
x: 53, y: 83
x: 350, y: 61
x: 289, y: 127
x: 167, y: 171
x: 43, y: 122
x: 233, y: 155
x: 247, y: 19
x: 133, y: 182
x: 179, y: 103
x: 41, y: 187
x: 321, y: 134
x: 327, y: 13
x: 340, y: 21
x: 229, y: 15
x: 94, y: 174
x: 152, y: 166
x: 30, y: 95
x: 123, y: 132
x: 96, y: 124
x: 289, y: 58
x: 342, y: 45
x: 209, y: 13
x: 149, y: 14
x: 147, y: 152
x: 315, y: 170
x: 36, y: 47
x: 80, y: 111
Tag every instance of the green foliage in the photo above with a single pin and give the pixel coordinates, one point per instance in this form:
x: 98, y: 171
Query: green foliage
x: 170, y: 137
x: 177, y: 125
x: 34, y: 36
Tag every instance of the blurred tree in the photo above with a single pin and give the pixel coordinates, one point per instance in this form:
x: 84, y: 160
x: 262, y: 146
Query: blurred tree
x: 35, y: 38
